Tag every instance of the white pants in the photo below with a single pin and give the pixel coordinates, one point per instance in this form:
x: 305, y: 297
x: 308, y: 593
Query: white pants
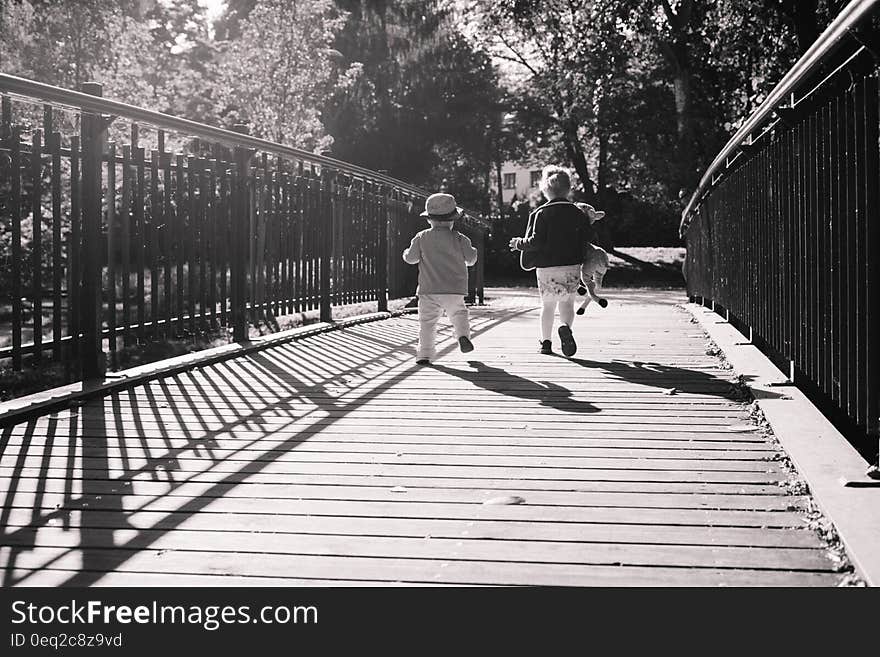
x: 431, y: 307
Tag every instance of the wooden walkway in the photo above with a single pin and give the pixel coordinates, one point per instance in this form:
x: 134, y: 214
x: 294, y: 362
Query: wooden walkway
x: 335, y: 460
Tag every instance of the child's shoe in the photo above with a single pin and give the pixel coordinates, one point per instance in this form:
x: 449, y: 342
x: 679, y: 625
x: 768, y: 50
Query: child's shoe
x: 569, y: 346
x: 465, y: 345
x: 582, y: 290
x: 423, y: 361
x: 546, y: 347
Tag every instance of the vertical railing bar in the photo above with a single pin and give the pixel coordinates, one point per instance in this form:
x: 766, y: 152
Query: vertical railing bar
x: 112, y: 248
x: 861, y: 183
x: 832, y: 355
x: 16, y: 199
x: 168, y: 232
x: 190, y: 242
x: 93, y: 132
x: 287, y: 307
x: 819, y: 250
x: 224, y: 238
x: 382, y: 273
x: 74, y: 259
x: 204, y: 234
x: 57, y: 266
x: 140, y: 241
x: 180, y: 250
x: 852, y: 254
x: 214, y: 236
x: 154, y: 241
x: 126, y: 244
x: 299, y: 254
x: 872, y: 253
x: 37, y: 245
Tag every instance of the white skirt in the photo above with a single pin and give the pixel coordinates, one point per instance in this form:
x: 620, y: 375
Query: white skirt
x: 558, y: 283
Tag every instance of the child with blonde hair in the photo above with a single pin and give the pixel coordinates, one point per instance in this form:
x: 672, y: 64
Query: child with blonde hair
x: 554, y: 243
x: 443, y: 255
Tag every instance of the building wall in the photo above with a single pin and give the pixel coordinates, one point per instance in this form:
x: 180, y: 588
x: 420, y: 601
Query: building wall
x: 518, y: 180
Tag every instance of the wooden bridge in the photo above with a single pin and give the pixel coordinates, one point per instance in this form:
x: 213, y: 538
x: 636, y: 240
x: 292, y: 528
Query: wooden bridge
x: 334, y: 459
x: 324, y: 455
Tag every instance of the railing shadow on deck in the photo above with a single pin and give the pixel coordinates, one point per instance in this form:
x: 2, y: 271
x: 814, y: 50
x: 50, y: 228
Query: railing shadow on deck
x: 101, y: 501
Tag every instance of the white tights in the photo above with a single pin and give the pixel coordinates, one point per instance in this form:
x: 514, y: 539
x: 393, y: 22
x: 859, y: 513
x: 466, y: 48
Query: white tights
x: 548, y: 314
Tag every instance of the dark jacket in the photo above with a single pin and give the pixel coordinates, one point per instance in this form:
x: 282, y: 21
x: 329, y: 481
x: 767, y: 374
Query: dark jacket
x: 555, y: 236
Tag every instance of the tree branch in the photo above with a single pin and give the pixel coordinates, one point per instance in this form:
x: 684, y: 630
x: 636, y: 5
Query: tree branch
x: 518, y: 57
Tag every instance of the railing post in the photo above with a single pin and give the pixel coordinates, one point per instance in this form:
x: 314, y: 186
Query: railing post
x: 382, y: 254
x: 240, y: 239
x: 328, y: 180
x: 93, y: 133
x: 481, y: 265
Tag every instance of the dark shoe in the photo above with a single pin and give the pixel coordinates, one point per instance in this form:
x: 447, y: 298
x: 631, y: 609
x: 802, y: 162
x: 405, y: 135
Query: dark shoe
x: 582, y: 290
x: 546, y: 347
x: 423, y: 361
x: 569, y: 346
x: 580, y: 311
x: 603, y: 303
x: 465, y: 345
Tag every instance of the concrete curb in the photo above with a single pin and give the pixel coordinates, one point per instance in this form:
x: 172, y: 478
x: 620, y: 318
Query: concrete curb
x: 820, y: 453
x: 48, y: 401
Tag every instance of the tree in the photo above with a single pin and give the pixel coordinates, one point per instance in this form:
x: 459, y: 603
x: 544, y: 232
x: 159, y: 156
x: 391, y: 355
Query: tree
x: 416, y: 98
x: 275, y: 76
x: 181, y: 69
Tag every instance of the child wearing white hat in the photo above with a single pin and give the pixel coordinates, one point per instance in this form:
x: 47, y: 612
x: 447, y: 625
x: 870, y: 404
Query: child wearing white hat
x: 443, y: 255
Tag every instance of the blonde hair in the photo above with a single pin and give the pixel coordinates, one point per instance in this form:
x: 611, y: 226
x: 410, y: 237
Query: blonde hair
x: 555, y: 181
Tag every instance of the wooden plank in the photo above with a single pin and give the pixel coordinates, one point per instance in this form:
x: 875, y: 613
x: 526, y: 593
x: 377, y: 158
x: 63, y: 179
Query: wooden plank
x: 459, y: 548
x: 414, y: 570
x: 403, y: 509
x: 257, y: 523
x: 259, y: 479
x: 373, y: 445
x: 282, y: 457
x: 33, y: 490
x: 166, y: 465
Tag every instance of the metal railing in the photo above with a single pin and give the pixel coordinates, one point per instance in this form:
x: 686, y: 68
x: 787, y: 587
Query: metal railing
x: 782, y: 233
x: 126, y: 226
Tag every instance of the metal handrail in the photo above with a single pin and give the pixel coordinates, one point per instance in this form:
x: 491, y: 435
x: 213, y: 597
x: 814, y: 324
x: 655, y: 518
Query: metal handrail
x: 79, y: 100
x: 816, y: 55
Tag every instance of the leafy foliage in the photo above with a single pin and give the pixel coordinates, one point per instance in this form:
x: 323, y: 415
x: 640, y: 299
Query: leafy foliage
x: 635, y: 95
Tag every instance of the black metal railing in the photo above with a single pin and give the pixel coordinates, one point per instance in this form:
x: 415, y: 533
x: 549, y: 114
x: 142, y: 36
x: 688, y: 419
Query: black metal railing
x: 125, y: 226
x: 783, y: 235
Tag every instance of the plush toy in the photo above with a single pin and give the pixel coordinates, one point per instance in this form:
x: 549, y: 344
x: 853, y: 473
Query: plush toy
x: 594, y: 266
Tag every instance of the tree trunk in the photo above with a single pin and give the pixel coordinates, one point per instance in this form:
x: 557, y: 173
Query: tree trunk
x: 576, y: 156
x: 602, y: 172
x: 681, y: 91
